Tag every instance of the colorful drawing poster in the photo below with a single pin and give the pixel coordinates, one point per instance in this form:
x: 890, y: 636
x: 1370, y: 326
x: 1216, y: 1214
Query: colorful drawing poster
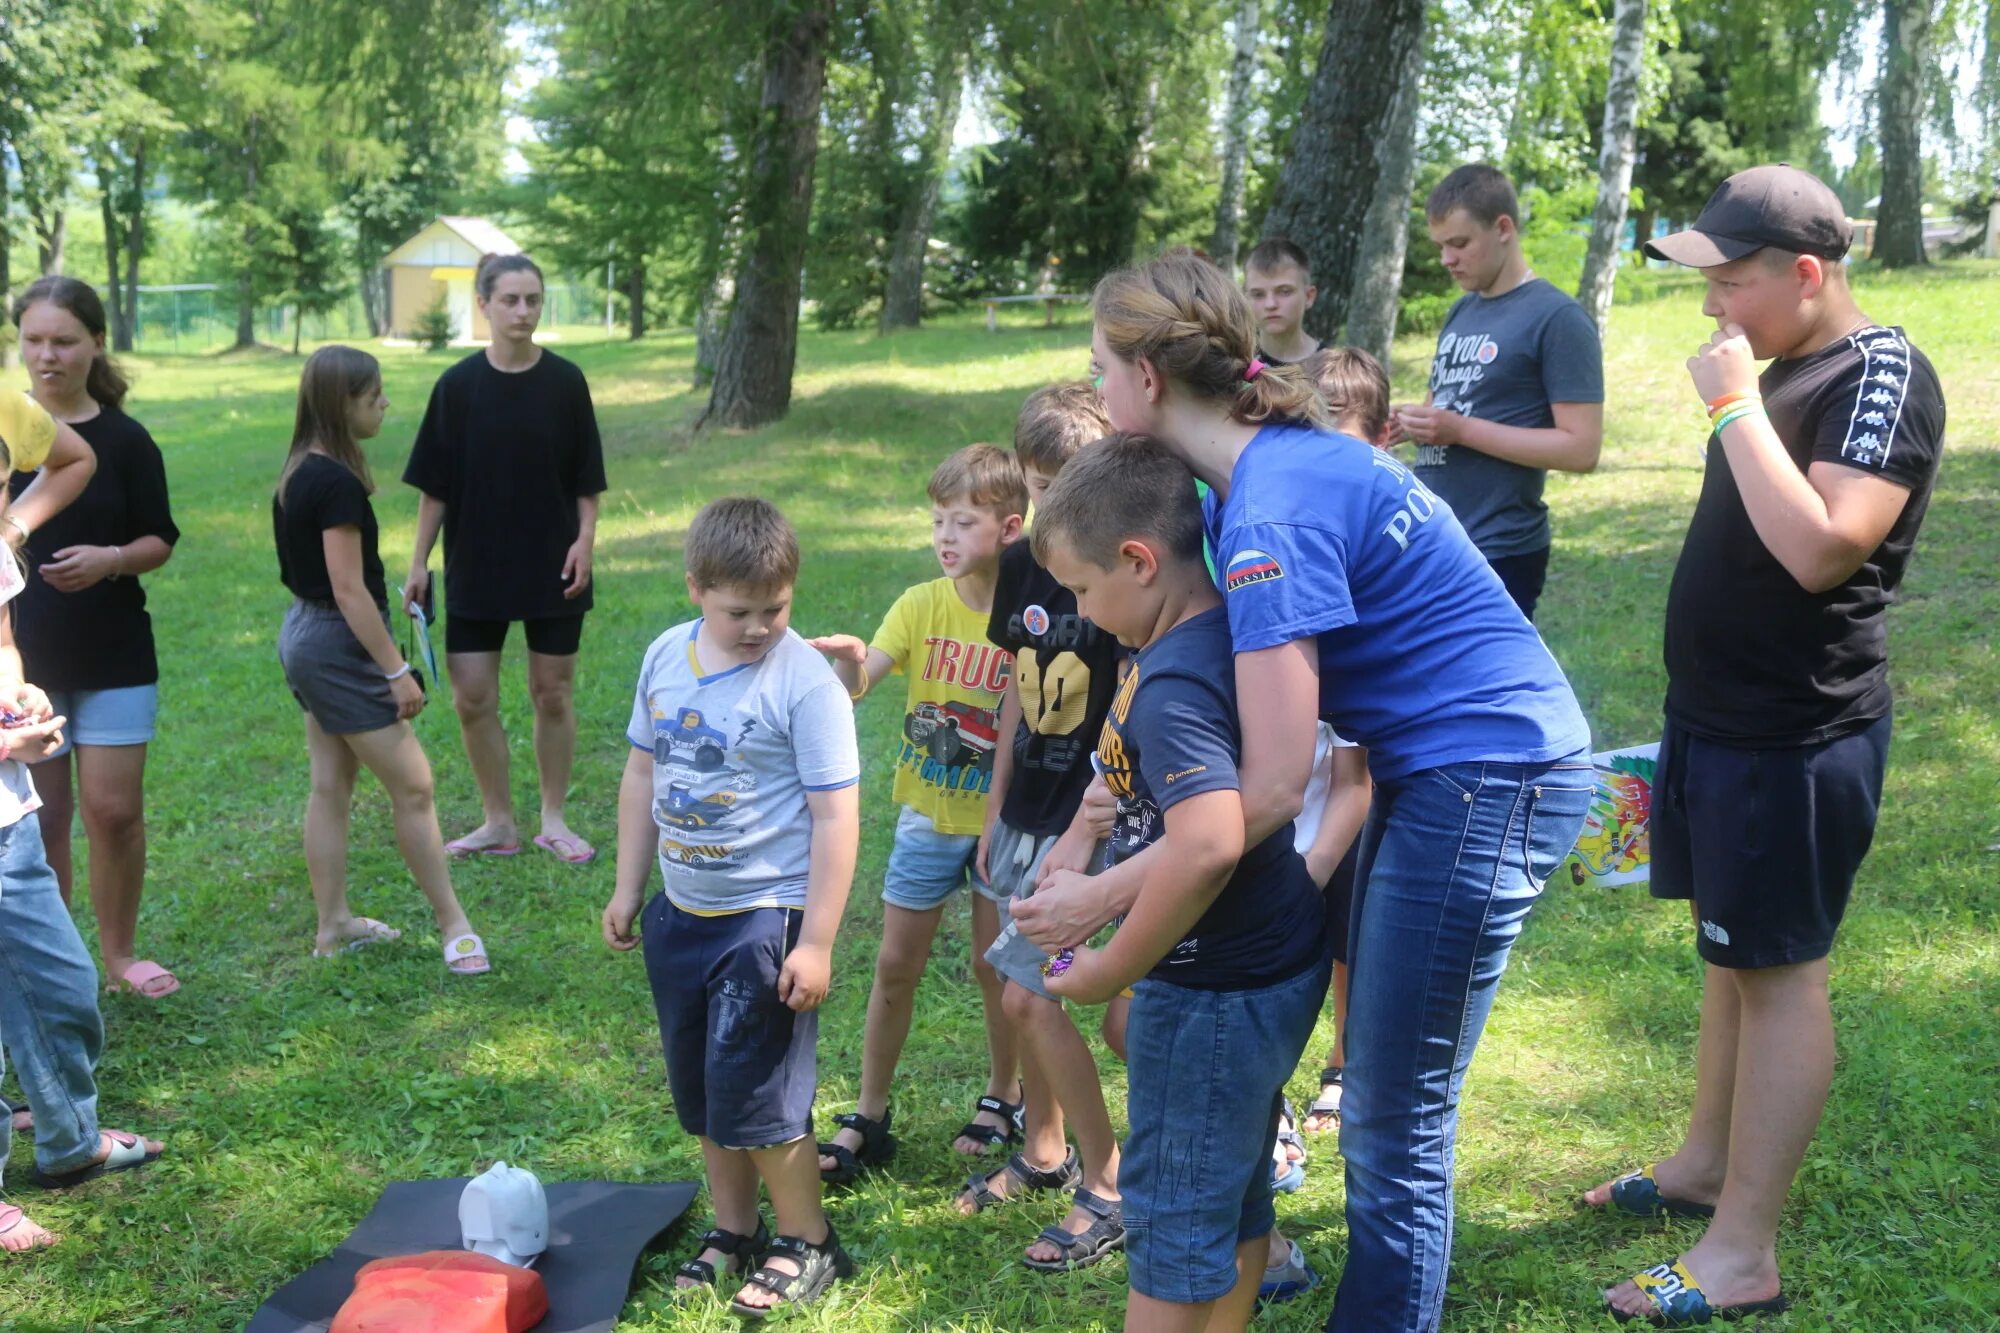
x: 1614, y: 848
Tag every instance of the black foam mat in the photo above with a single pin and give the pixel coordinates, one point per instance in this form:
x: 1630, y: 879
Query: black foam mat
x: 597, y: 1230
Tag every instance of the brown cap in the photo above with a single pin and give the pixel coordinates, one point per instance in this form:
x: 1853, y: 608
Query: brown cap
x: 1776, y: 206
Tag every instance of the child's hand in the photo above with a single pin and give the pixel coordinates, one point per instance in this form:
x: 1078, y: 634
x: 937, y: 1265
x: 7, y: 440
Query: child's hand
x: 31, y: 703
x: 1100, y: 809
x: 1395, y: 432
x: 1087, y: 979
x: 841, y: 648
x: 619, y: 914
x: 1724, y: 364
x: 804, y: 980
x: 1428, y: 425
x: 35, y: 741
x: 1059, y: 912
x: 979, y: 866
x: 1319, y: 868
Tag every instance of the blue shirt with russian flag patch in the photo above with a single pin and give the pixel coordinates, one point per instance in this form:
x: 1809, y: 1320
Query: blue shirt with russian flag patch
x: 1424, y: 658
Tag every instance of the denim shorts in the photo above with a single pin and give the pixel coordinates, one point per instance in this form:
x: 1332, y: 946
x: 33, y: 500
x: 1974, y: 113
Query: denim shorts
x: 1015, y: 860
x: 106, y: 717
x: 741, y: 1064
x: 1204, y: 1074
x: 926, y: 867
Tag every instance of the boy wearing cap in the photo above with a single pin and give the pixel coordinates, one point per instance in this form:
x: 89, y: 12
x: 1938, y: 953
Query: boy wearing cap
x: 1516, y: 387
x: 1819, y: 470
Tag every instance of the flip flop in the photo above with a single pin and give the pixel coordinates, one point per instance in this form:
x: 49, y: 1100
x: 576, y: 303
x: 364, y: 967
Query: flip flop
x: 141, y: 975
x: 460, y: 848
x: 579, y: 853
x: 374, y: 932
x: 1637, y: 1194
x: 464, y: 949
x: 11, y: 1217
x: 20, y: 1118
x: 127, y: 1152
x: 1679, y: 1302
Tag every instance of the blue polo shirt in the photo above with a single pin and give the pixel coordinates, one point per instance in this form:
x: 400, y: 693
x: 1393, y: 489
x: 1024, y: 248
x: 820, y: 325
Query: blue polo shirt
x: 1423, y: 656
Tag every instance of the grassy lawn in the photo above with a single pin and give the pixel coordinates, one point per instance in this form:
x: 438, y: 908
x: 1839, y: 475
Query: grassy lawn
x: 290, y: 1091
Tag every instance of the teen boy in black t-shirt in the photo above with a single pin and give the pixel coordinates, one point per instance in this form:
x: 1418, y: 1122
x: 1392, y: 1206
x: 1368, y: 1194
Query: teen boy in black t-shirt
x: 1777, y: 732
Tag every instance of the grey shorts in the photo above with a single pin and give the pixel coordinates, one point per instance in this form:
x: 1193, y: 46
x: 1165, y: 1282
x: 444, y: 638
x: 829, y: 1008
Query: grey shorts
x: 1015, y: 861
x: 331, y: 674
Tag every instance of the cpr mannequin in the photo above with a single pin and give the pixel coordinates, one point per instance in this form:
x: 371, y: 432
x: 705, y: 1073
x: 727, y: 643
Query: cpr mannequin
x: 484, y: 1288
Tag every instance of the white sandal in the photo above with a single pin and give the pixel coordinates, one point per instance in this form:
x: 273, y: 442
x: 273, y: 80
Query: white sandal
x: 466, y: 948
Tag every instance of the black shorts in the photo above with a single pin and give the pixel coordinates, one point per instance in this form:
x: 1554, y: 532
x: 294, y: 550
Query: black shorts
x: 1525, y: 575
x: 1766, y: 842
x: 1340, y: 902
x: 741, y: 1065
x: 554, y: 636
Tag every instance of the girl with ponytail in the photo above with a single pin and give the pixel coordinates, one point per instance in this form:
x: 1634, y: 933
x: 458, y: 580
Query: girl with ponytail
x: 1354, y: 594
x: 84, y: 631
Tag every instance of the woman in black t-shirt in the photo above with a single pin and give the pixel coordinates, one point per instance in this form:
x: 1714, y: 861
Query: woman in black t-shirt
x: 341, y: 660
x: 81, y: 622
x: 510, y: 465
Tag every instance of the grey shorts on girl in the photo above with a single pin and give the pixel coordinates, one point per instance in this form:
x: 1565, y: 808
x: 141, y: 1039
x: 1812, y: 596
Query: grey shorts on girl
x: 331, y: 674
x: 926, y: 867
x: 122, y: 716
x: 1015, y: 861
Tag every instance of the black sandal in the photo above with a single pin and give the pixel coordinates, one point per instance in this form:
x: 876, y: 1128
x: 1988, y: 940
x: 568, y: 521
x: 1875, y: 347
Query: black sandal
x: 1082, y: 1249
x: 819, y: 1266
x: 987, y: 1136
x: 1326, y: 1106
x: 1029, y: 1177
x: 878, y: 1145
x: 733, y: 1246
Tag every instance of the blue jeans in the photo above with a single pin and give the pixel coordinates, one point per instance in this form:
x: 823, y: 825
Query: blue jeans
x: 1451, y: 862
x: 48, y: 1005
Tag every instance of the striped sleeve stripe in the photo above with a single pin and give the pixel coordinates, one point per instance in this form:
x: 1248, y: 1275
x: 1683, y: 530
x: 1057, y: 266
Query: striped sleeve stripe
x: 1878, y: 399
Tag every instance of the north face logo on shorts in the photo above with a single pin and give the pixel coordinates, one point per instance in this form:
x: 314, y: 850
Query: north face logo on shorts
x: 1715, y: 932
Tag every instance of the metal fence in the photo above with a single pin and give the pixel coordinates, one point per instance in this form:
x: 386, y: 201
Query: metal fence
x: 195, y: 317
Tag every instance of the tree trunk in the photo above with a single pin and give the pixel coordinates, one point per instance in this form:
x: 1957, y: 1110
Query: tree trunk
x: 635, y: 296
x: 1906, y: 52
x: 51, y: 237
x: 903, y: 300
x: 246, y: 299
x: 298, y: 327
x: 1644, y: 224
x: 1614, y: 163
x: 1333, y: 159
x: 125, y: 337
x: 1385, y: 231
x: 1222, y: 245
x: 374, y: 289
x: 753, y: 371
x: 115, y: 290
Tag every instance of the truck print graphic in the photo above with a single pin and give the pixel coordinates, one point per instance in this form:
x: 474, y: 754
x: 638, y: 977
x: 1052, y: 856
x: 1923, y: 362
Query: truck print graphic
x: 954, y: 733
x: 689, y: 733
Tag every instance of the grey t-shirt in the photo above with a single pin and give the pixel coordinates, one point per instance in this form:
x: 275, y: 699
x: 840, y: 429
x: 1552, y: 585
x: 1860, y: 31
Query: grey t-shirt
x: 1505, y: 359
x: 734, y: 754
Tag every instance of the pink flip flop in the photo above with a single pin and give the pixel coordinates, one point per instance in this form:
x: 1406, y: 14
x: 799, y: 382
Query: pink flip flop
x: 460, y: 848
x: 142, y: 974
x: 579, y: 853
x: 465, y: 955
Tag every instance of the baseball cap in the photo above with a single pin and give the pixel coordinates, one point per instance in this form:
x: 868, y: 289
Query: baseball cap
x: 1778, y: 206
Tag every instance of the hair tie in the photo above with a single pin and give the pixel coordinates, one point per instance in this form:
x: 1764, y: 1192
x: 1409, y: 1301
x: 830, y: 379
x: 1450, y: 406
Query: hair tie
x: 1250, y: 371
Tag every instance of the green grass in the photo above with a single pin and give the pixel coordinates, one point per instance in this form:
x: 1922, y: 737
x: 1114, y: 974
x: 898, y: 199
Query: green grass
x: 290, y: 1091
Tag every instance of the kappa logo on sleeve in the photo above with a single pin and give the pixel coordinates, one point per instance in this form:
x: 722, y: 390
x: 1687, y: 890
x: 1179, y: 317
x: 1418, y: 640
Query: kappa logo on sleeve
x: 1251, y: 566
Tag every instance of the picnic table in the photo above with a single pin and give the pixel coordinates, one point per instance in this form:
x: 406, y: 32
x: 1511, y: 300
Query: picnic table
x: 1049, y: 302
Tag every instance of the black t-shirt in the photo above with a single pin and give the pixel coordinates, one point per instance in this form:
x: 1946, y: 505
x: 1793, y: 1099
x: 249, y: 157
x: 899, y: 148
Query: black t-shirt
x: 1171, y: 734
x: 322, y: 494
x: 100, y: 638
x: 508, y: 453
x: 1753, y: 658
x: 1067, y: 669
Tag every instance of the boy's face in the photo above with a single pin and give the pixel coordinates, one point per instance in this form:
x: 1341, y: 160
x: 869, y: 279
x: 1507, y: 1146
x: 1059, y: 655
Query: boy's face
x: 967, y: 537
x: 1129, y: 389
x: 1280, y: 298
x: 746, y: 621
x: 1769, y: 301
x: 1472, y: 252
x: 1038, y: 482
x: 1124, y: 600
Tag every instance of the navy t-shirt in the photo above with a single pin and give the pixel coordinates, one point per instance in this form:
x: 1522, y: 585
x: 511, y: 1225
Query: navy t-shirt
x: 1505, y: 359
x: 1423, y: 656
x: 1171, y: 734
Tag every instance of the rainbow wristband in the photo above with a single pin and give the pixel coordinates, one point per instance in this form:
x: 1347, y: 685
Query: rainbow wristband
x: 1718, y: 404
x: 1733, y: 414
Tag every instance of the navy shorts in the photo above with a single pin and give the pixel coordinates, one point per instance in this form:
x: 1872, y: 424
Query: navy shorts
x: 742, y: 1066
x: 1204, y: 1074
x: 554, y: 636
x: 1525, y: 576
x: 1766, y: 842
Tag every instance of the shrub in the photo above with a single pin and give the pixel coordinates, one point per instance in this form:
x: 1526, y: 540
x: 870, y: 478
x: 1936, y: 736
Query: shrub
x: 433, y: 328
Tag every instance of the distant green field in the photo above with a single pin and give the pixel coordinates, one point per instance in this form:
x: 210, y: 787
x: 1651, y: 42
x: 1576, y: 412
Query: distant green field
x: 290, y: 1091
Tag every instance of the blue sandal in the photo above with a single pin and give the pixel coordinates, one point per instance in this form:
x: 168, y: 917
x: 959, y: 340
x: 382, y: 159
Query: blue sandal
x: 1637, y: 1194
x: 1081, y: 1249
x: 1679, y: 1302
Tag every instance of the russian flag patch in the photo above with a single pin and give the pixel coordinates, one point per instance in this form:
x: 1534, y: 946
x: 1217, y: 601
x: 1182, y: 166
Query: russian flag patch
x: 1249, y: 567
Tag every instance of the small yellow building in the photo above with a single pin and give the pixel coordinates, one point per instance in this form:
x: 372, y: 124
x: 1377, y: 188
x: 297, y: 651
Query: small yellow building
x: 440, y: 261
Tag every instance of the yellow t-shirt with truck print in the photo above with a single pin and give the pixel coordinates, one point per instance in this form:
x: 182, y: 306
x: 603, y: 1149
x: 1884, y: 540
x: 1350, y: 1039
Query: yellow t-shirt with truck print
x: 27, y: 431
x: 951, y: 713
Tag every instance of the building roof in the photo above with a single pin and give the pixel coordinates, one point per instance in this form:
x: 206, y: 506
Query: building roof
x: 452, y: 241
x: 482, y: 235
